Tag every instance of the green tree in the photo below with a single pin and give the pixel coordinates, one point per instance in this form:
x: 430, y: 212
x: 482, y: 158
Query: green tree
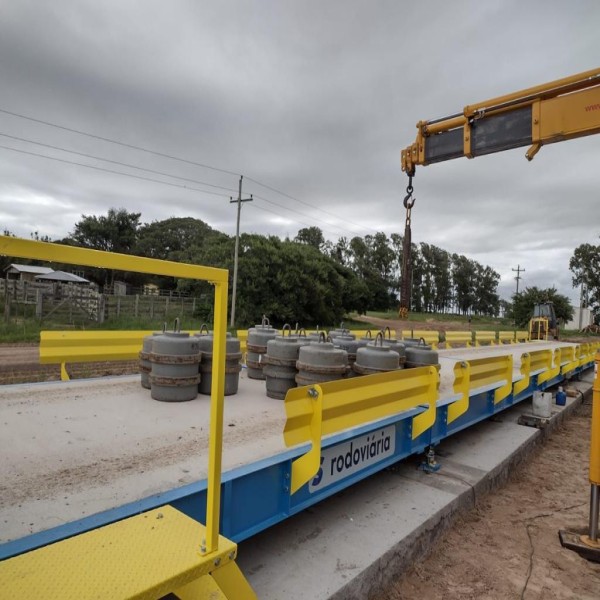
x: 524, y: 302
x: 312, y: 236
x: 585, y: 265
x: 115, y: 232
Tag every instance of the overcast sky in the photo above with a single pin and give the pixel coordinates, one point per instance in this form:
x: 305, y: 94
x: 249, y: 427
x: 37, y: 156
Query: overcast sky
x: 314, y: 99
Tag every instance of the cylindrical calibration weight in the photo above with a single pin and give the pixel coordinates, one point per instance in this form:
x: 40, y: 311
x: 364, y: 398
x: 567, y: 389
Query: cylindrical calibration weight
x: 175, y: 358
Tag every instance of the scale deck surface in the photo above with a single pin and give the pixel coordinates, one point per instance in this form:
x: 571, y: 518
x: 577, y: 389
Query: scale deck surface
x: 72, y: 449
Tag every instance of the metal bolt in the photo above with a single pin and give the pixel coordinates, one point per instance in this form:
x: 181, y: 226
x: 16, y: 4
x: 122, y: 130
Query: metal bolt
x: 287, y: 475
x: 286, y: 488
x: 313, y: 393
x: 217, y: 562
x: 159, y: 516
x: 535, y: 121
x: 232, y: 555
x: 467, y: 139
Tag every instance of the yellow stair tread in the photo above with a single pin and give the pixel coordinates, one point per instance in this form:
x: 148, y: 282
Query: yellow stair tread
x: 145, y: 556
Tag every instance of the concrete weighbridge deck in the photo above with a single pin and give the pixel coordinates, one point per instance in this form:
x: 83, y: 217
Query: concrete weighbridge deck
x: 73, y: 449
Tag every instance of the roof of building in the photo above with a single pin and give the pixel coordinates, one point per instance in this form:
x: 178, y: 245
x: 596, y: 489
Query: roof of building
x: 61, y: 276
x: 29, y: 269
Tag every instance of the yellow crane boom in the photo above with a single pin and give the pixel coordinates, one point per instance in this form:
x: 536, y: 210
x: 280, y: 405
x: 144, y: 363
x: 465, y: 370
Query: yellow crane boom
x: 552, y: 112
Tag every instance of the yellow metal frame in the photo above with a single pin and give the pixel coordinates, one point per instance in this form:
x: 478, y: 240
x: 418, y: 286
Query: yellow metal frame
x: 31, y: 249
x: 330, y: 407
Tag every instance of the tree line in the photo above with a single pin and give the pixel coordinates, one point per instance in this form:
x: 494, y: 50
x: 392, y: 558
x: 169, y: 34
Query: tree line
x: 307, y: 278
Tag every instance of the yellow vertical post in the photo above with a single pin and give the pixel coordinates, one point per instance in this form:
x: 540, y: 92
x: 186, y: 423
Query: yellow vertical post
x: 595, y: 458
x: 595, y: 439
x: 217, y: 395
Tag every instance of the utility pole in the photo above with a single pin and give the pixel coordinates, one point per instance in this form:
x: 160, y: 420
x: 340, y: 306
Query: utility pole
x: 518, y: 271
x: 237, y: 245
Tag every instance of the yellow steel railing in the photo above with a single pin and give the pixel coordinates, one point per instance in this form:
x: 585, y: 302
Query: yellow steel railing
x: 333, y: 406
x: 45, y: 251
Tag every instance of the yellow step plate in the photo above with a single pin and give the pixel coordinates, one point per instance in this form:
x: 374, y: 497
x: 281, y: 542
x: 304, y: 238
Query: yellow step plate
x: 146, y: 556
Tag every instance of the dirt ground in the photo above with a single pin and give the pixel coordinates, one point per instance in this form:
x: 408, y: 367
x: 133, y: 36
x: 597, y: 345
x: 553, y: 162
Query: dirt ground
x: 508, y: 546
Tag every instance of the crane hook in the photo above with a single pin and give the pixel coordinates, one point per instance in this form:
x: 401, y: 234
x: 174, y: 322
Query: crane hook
x: 409, y: 201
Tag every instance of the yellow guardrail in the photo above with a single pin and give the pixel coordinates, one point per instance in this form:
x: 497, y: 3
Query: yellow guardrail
x: 206, y: 542
x: 485, y: 337
x: 454, y: 338
x: 331, y: 407
x: 506, y: 337
x: 472, y: 375
x: 61, y: 347
x: 533, y: 363
x: 522, y: 336
x: 554, y: 370
x: 492, y: 370
x: 569, y: 358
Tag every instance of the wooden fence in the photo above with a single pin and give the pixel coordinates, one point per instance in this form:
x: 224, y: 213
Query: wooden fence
x: 71, y: 304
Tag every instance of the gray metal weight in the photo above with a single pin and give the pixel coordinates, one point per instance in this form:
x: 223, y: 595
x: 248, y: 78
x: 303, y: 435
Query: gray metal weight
x: 420, y: 355
x: 174, y: 358
x: 279, y: 364
x: 233, y: 356
x: 376, y: 357
x: 258, y: 337
x: 320, y: 361
x: 145, y: 364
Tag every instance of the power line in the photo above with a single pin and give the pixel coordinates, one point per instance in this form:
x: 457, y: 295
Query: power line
x: 301, y: 214
x: 116, y: 162
x: 111, y: 141
x: 70, y: 162
x: 272, y: 212
x: 268, y: 187
x: 176, y: 158
x: 149, y: 179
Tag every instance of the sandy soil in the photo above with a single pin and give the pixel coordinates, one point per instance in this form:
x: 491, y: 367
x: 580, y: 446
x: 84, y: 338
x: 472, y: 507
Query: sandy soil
x: 508, y: 547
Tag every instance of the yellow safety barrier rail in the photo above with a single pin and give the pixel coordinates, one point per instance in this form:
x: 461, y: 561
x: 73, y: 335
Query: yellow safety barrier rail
x: 532, y: 363
x: 61, y: 347
x: 454, y: 338
x: 569, y: 358
x: 554, y: 370
x: 462, y: 384
x: 522, y: 336
x: 472, y: 375
x: 331, y: 407
x: 209, y: 546
x: 492, y: 370
x: 506, y: 337
x: 429, y: 336
x: 485, y: 337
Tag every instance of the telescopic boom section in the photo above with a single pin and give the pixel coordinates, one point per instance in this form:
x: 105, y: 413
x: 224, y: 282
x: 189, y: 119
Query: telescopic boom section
x: 553, y: 112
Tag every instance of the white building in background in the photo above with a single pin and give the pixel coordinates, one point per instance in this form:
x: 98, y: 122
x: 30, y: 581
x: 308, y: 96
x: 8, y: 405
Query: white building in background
x: 582, y: 317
